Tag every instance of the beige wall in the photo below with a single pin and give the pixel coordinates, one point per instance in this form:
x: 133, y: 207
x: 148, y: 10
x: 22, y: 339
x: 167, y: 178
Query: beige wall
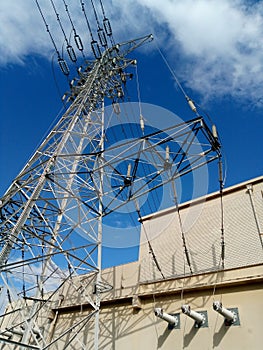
x: 240, y: 285
x: 127, y: 319
x: 243, y: 225
x: 143, y: 331
x: 123, y: 326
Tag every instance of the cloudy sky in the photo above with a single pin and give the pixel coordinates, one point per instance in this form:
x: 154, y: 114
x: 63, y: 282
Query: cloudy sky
x: 218, y: 42
x: 215, y: 48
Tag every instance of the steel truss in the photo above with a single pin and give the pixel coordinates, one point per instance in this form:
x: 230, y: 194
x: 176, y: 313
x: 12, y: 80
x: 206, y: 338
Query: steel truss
x: 51, y: 216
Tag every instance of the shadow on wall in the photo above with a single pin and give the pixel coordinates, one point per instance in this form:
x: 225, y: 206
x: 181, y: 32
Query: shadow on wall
x: 218, y: 336
x: 189, y: 336
x: 162, y: 338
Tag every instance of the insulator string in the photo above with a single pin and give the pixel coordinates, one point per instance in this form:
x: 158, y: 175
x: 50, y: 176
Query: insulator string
x: 77, y: 38
x: 94, y: 44
x: 62, y: 63
x: 70, y: 50
x: 100, y: 31
x: 106, y: 24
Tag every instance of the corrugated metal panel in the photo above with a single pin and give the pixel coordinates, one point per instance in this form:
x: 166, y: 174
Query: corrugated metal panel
x: 202, y: 228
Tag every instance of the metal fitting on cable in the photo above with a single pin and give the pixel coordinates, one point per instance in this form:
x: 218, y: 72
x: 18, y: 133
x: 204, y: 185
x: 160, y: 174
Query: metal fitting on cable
x: 191, y: 104
x: 198, y: 317
x: 172, y: 320
x: 227, y: 314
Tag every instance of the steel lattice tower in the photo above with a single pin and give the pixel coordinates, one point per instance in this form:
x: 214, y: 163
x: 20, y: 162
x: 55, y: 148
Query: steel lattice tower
x: 64, y: 190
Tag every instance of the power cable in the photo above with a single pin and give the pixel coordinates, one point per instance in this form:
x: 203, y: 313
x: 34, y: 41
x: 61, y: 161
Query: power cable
x: 47, y: 28
x: 186, y: 252
x: 77, y: 38
x: 140, y: 128
x: 94, y: 44
x: 151, y: 251
x: 221, y: 179
x: 139, y: 100
x: 23, y: 271
x: 86, y: 18
x: 224, y: 158
x: 221, y: 187
x: 56, y: 82
x: 106, y: 24
x: 100, y: 31
x: 188, y: 99
x: 62, y: 63
x: 70, y: 50
x: 222, y: 255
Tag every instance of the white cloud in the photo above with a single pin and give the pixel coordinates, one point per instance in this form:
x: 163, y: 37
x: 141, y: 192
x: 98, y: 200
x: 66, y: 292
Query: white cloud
x: 219, y: 43
x: 18, y: 31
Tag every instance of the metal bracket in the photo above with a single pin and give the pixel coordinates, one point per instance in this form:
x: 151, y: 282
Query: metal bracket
x: 175, y: 325
x: 102, y: 287
x: 236, y: 321
x: 205, y: 320
x: 136, y: 302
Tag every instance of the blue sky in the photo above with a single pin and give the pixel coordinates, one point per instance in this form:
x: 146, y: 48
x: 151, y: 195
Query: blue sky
x: 215, y: 48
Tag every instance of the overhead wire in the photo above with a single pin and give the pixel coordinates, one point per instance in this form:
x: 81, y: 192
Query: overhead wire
x: 77, y: 38
x: 62, y: 63
x: 86, y: 18
x: 23, y: 271
x: 56, y: 82
x: 100, y: 31
x: 139, y: 100
x: 221, y: 187
x: 188, y: 99
x: 95, y: 13
x: 223, y: 155
x: 131, y: 132
x: 106, y: 24
x: 186, y: 252
x: 151, y: 251
x: 47, y: 28
x: 153, y: 204
x: 183, y: 282
x: 222, y: 177
x: 70, y: 49
x: 94, y: 44
x: 221, y: 263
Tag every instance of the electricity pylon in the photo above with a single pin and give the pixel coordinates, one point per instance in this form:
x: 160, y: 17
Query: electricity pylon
x: 51, y: 216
